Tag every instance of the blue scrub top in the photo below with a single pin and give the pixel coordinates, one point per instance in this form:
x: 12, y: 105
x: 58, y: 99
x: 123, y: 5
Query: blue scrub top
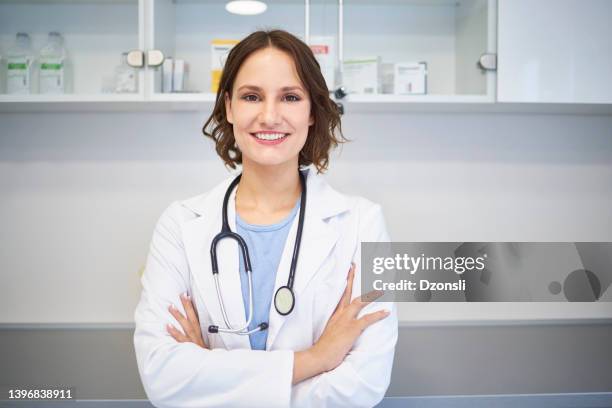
x: 265, y: 244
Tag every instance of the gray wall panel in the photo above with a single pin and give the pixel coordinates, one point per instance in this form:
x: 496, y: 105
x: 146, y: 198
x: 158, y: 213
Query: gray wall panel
x: 443, y: 360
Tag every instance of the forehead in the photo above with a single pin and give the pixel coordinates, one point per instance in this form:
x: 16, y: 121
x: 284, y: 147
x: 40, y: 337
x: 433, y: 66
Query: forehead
x: 268, y: 68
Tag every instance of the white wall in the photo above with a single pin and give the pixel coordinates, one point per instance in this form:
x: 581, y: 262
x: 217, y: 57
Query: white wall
x: 81, y: 193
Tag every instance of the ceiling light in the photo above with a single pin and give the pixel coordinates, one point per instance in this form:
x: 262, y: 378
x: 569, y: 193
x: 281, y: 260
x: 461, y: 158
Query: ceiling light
x: 246, y: 7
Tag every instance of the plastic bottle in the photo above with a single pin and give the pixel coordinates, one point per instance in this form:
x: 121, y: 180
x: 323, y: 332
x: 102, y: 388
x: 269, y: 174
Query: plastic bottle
x: 19, y: 61
x: 126, y: 77
x: 52, y: 69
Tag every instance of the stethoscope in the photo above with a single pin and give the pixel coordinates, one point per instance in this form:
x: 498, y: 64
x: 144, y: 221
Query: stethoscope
x: 284, y: 299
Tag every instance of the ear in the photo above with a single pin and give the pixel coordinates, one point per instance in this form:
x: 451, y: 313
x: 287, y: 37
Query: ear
x: 311, y: 120
x: 228, y: 108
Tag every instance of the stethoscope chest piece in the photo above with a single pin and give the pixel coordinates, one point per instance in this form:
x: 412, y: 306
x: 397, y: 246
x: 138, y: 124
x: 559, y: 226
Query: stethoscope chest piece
x: 284, y: 300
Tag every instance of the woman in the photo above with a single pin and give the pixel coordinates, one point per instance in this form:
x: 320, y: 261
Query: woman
x: 317, y: 344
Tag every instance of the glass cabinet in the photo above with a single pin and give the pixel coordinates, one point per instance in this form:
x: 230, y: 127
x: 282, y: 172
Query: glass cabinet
x: 87, y: 61
x: 383, y: 53
x: 436, y: 50
x: 195, y: 36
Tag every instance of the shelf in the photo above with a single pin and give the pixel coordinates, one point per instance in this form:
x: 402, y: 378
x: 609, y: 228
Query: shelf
x: 37, y: 98
x: 362, y: 104
x: 184, y: 97
x: 475, y: 106
x: 69, y: 103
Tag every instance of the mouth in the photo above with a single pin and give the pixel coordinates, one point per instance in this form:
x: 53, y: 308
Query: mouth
x: 269, y: 138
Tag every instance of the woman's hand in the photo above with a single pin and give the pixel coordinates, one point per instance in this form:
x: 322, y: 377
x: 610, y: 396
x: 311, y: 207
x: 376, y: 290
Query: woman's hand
x: 190, y: 325
x: 343, y: 328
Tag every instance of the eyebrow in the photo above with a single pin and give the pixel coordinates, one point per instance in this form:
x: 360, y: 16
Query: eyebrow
x: 283, y: 89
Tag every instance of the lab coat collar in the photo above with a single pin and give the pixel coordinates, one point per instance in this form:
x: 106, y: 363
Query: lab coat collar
x: 322, y: 199
x: 318, y: 239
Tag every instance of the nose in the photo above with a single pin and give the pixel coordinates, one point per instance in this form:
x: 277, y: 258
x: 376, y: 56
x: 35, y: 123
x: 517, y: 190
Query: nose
x: 270, y: 114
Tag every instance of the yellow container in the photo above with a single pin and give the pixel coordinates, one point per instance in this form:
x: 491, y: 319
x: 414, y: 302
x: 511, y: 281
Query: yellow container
x: 219, y: 51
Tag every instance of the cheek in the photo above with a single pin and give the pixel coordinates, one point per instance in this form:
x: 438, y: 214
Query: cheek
x: 244, y: 117
x: 301, y: 116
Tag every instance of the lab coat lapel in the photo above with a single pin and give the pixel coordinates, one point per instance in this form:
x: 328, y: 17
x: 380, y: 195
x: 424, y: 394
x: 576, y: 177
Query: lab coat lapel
x: 318, y: 240
x: 198, y: 235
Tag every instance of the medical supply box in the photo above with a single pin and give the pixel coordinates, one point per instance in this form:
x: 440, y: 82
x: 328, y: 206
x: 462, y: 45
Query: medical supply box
x: 362, y: 76
x: 219, y: 51
x: 410, y: 78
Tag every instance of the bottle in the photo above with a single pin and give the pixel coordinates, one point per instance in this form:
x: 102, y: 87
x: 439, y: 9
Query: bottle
x: 126, y: 77
x: 19, y: 60
x: 52, y: 65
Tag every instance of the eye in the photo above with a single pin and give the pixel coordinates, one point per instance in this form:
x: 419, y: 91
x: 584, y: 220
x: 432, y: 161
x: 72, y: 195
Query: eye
x: 292, y: 98
x: 250, y: 97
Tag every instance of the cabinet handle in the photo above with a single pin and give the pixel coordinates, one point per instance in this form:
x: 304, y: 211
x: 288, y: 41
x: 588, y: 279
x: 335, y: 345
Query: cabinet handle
x: 135, y: 58
x: 155, y: 58
x: 488, y: 62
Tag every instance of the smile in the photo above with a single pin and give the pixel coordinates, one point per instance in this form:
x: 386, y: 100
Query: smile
x: 269, y: 138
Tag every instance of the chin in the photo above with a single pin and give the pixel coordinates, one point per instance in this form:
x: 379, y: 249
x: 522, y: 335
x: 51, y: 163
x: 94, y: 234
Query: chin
x: 273, y: 159
x: 272, y: 162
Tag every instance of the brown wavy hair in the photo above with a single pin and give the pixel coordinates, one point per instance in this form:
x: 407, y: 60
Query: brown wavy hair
x: 321, y: 135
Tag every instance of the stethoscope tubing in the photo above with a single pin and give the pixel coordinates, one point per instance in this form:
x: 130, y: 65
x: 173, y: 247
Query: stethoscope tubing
x: 226, y: 232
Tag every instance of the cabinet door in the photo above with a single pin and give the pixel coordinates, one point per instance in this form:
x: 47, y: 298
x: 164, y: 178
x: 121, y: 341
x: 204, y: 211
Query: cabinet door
x: 323, y: 38
x: 95, y: 34
x: 186, y: 29
x: 393, y: 36
x: 555, y: 51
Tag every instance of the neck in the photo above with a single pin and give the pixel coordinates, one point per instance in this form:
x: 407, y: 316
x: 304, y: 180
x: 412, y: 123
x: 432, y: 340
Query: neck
x: 268, y: 189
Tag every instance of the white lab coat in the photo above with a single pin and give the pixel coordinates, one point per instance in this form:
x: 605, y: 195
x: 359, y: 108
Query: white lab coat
x: 230, y: 373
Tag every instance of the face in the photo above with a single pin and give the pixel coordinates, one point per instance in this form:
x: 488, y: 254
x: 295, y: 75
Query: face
x: 269, y: 109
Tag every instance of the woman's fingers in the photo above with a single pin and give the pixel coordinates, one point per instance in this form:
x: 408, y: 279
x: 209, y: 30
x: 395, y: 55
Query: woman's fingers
x: 190, y: 325
x: 348, y: 291
x: 371, y: 296
x: 177, y: 334
x: 362, y: 301
x: 371, y: 318
x: 185, y: 324
x: 358, y: 302
x: 192, y: 316
x: 345, y: 300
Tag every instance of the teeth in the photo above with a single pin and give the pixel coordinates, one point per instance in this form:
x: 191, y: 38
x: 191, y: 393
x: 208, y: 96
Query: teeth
x: 269, y: 136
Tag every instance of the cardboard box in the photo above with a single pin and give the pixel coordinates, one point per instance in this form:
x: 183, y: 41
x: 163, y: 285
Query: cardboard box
x: 219, y: 51
x: 362, y: 76
x: 410, y: 78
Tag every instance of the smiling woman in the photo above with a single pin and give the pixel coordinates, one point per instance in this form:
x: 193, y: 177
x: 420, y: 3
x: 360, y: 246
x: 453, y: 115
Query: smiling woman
x: 263, y: 312
x: 278, y: 71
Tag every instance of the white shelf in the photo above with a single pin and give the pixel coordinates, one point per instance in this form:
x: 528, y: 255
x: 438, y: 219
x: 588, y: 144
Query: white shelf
x: 59, y: 99
x: 184, y: 97
x: 70, y: 103
x: 204, y: 102
x: 462, y: 104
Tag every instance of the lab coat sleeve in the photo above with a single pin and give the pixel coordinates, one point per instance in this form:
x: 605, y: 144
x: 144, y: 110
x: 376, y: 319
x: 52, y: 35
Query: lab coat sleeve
x: 183, y: 374
x: 362, y: 379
